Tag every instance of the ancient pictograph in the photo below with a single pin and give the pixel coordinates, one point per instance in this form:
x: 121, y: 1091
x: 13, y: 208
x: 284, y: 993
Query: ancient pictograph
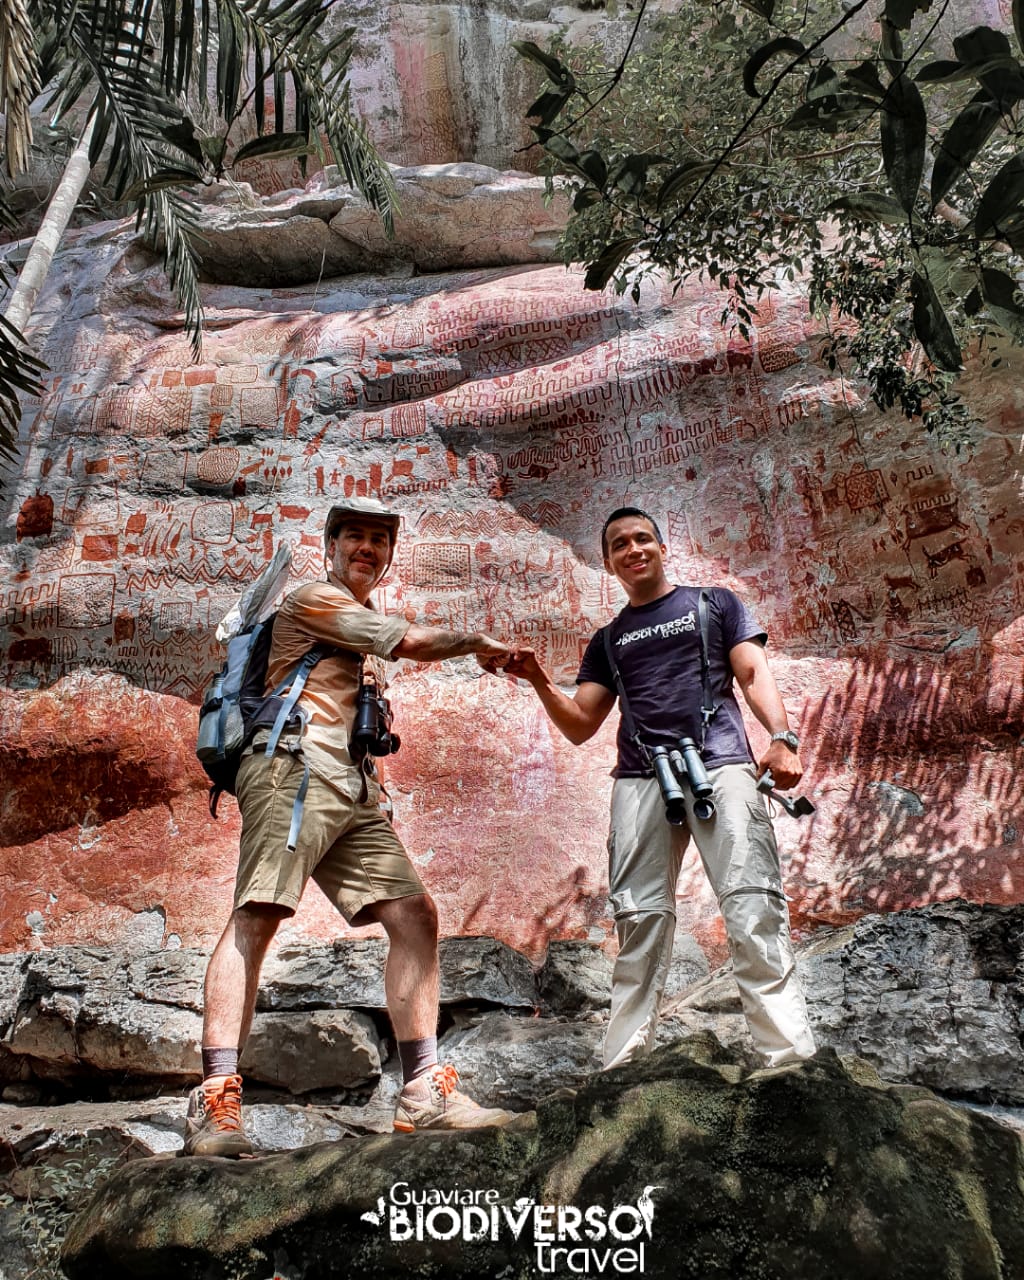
x: 502, y: 416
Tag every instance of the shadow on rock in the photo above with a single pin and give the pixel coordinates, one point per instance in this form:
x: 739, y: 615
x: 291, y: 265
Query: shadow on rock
x: 686, y: 1163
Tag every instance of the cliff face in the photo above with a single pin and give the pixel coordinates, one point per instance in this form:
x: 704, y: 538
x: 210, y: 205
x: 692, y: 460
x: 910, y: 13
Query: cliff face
x: 503, y: 411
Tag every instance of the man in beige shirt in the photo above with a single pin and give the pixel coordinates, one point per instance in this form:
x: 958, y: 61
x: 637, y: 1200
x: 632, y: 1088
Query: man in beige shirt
x: 344, y: 841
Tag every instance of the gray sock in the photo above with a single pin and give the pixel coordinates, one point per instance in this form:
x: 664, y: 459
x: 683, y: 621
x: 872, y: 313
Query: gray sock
x: 417, y: 1056
x: 220, y: 1062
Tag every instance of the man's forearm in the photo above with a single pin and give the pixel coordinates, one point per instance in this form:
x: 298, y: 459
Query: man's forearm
x: 764, y: 700
x: 431, y: 644
x: 563, y: 712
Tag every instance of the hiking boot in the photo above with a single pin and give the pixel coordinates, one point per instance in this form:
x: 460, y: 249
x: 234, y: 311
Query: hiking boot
x: 213, y: 1122
x: 433, y: 1101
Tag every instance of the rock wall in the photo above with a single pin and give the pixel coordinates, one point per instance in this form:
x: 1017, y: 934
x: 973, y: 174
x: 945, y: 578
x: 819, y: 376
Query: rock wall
x: 503, y: 411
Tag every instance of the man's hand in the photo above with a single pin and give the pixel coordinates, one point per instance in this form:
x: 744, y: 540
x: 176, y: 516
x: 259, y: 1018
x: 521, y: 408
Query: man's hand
x: 492, y: 654
x: 784, y: 764
x: 523, y: 663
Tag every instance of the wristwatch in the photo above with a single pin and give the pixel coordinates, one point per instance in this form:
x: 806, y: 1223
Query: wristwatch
x: 789, y: 738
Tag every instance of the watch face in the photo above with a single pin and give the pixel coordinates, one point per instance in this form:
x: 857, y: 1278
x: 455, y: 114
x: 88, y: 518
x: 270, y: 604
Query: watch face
x: 790, y: 739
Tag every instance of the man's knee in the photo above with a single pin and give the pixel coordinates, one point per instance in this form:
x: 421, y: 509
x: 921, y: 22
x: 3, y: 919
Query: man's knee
x: 255, y: 923
x: 413, y: 918
x: 757, y: 928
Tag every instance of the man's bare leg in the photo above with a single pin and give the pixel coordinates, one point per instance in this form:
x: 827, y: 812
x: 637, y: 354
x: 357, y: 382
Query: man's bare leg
x: 213, y: 1122
x: 411, y: 976
x: 233, y: 974
x: 429, y: 1099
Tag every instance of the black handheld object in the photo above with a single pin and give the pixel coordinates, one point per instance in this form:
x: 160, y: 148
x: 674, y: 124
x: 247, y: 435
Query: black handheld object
x: 671, y: 792
x: 795, y: 806
x: 371, y: 733
x: 678, y: 766
x: 697, y: 778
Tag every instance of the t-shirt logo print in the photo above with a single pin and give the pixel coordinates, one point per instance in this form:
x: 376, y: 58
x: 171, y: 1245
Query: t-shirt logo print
x: 660, y: 629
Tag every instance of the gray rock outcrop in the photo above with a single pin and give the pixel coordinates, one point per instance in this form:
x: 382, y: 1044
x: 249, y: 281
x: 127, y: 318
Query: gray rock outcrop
x: 932, y: 996
x: 683, y: 1155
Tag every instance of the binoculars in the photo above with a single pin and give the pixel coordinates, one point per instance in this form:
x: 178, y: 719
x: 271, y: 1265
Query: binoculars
x: 371, y: 732
x: 674, y: 766
x: 680, y: 765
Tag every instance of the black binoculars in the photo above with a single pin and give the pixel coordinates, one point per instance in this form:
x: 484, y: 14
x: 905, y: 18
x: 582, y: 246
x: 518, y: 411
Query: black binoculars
x: 371, y: 732
x: 674, y: 766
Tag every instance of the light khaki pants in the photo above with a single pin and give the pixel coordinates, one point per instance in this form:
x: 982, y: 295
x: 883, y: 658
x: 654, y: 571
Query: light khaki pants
x: 737, y: 848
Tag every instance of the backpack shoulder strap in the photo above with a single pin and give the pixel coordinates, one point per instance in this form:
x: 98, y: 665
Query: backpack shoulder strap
x: 708, y: 707
x: 625, y: 711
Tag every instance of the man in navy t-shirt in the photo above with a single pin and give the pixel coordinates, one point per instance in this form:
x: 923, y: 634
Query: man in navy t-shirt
x: 656, y: 643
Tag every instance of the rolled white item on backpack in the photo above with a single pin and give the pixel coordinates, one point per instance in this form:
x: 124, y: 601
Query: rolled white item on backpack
x: 259, y: 597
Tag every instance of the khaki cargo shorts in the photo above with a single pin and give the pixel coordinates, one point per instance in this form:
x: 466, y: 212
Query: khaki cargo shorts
x: 349, y: 849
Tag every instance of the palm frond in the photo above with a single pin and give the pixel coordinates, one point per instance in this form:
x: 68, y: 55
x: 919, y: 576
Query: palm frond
x: 134, y: 112
x: 288, y: 40
x: 19, y: 81
x: 19, y: 374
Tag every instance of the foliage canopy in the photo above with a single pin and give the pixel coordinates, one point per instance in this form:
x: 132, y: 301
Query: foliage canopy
x: 142, y: 71
x: 763, y: 139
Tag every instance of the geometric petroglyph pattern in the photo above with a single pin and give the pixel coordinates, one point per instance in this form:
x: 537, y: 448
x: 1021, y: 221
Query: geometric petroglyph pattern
x: 441, y: 566
x: 86, y: 600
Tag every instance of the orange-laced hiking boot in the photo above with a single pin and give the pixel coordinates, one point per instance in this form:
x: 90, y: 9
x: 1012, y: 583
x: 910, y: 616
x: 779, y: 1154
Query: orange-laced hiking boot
x: 433, y: 1101
x: 213, y: 1122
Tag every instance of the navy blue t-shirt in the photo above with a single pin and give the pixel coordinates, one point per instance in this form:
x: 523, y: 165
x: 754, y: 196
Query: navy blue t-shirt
x: 657, y: 650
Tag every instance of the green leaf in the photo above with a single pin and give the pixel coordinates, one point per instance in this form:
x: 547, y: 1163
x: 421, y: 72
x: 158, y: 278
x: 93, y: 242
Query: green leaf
x: 822, y: 82
x: 275, y: 144
x: 757, y: 60
x: 584, y: 198
x: 183, y: 136
x: 869, y: 206
x: 213, y: 149
x: 1001, y: 199
x: 159, y: 181
x: 684, y: 175
x: 943, y: 71
x: 601, y: 271
x: 593, y: 165
x: 901, y: 12
x: 891, y: 46
x: 904, y: 135
x: 763, y: 8
x: 1001, y: 292
x: 556, y: 71
x: 988, y: 54
x: 932, y: 327
x: 1001, y: 289
x: 589, y: 165
x: 562, y: 149
x: 981, y: 45
x: 864, y: 78
x: 548, y: 105
x: 964, y: 139
x: 831, y: 114
x: 630, y: 173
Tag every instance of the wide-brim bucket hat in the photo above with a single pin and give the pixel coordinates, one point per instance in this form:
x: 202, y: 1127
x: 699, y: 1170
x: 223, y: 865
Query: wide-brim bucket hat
x: 363, y: 509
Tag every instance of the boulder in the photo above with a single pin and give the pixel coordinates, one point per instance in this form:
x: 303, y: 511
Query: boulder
x: 686, y: 1163
x: 511, y: 1062
x: 315, y: 1049
x: 576, y: 977
x: 77, y: 1013
x: 451, y: 216
x: 932, y: 995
